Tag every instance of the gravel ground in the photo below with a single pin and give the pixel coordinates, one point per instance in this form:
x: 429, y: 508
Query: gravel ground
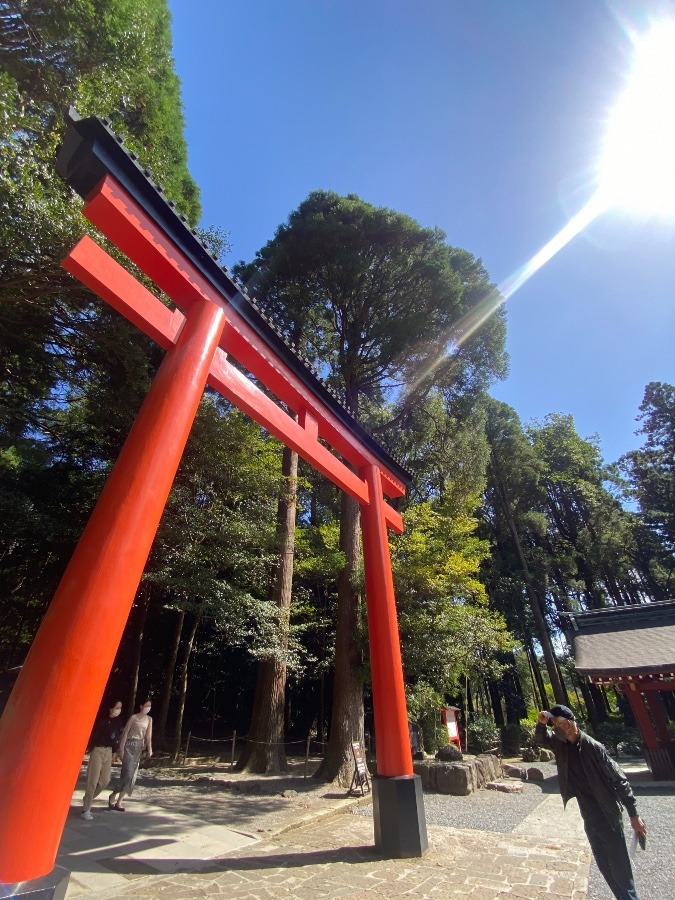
x: 486, y: 810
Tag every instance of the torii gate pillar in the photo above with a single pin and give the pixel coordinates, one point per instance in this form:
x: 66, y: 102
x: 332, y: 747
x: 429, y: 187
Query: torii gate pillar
x: 398, y: 803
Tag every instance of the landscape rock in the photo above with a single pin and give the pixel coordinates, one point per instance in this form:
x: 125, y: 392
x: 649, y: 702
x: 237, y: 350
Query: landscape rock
x: 514, y: 771
x: 288, y: 794
x: 534, y: 774
x: 450, y: 753
x: 546, y: 755
x: 505, y: 787
x: 458, y: 778
x: 492, y: 765
x: 424, y: 771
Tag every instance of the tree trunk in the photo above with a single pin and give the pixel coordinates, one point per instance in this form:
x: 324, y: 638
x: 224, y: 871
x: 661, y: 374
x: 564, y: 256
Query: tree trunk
x: 540, y: 622
x: 496, y: 702
x: 183, y: 681
x: 264, y: 753
x: 536, y: 675
x: 593, y: 717
x: 347, y: 717
x: 159, y: 721
x: 565, y: 693
x: 140, y: 612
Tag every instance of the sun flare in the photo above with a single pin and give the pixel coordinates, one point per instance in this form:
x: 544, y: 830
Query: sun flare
x: 637, y: 169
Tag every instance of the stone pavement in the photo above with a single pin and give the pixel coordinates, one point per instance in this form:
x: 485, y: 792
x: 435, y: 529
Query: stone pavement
x: 309, y: 847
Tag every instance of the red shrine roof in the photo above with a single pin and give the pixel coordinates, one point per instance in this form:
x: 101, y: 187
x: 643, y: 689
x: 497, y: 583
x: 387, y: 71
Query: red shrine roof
x: 624, y: 640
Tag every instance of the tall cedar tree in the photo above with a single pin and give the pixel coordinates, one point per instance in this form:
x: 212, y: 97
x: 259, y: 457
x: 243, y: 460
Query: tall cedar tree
x: 387, y: 294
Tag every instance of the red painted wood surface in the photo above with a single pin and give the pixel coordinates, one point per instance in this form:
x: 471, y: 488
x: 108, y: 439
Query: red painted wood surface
x: 394, y: 756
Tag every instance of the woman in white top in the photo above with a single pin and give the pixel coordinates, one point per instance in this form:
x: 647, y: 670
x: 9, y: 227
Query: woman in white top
x: 136, y: 737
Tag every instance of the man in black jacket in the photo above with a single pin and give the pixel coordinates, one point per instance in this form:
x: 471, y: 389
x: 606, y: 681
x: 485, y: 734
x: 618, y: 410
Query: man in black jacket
x: 586, y: 771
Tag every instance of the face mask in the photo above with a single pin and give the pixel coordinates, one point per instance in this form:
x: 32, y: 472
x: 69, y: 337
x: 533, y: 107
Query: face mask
x: 114, y: 713
x: 560, y: 733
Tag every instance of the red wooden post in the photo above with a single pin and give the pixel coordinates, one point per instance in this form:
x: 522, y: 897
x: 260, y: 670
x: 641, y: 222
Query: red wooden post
x: 47, y: 721
x: 394, y: 756
x: 644, y: 722
x: 398, y: 804
x: 659, y: 717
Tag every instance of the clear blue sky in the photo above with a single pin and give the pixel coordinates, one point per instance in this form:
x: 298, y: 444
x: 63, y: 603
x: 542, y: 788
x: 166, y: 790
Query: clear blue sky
x: 484, y: 117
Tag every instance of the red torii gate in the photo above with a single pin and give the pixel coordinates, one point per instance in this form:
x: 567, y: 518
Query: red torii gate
x: 65, y: 672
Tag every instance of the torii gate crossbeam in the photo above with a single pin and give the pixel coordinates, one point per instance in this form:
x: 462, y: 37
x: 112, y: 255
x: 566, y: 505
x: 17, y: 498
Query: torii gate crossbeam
x: 67, y: 667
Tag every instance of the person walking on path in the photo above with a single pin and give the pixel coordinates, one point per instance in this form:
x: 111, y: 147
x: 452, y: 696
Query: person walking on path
x: 136, y: 737
x: 586, y: 771
x: 104, y: 740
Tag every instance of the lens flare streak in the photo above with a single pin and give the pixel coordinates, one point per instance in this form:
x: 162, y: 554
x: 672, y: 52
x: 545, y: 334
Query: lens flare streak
x: 576, y: 224
x: 462, y: 330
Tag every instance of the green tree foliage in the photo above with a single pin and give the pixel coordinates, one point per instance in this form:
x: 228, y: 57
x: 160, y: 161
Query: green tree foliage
x: 214, y: 545
x: 111, y: 58
x: 560, y: 536
x: 214, y: 548
x: 447, y: 630
x: 651, y: 469
x: 384, y: 294
x: 590, y: 535
x: 72, y: 372
x: 514, y: 491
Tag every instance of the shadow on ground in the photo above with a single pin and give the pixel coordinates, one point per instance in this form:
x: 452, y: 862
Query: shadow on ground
x: 349, y: 855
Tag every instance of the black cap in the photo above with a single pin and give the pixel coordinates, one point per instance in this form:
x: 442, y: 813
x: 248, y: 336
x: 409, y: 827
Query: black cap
x: 564, y: 712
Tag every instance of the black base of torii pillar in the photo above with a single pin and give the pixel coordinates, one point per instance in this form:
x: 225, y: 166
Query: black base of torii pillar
x: 398, y: 814
x: 49, y: 887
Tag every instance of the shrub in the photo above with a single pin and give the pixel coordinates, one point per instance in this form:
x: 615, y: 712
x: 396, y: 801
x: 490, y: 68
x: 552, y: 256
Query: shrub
x: 483, y: 733
x: 424, y: 707
x: 613, y: 733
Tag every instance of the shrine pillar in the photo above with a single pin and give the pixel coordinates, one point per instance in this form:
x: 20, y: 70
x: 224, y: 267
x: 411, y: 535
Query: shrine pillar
x: 398, y: 805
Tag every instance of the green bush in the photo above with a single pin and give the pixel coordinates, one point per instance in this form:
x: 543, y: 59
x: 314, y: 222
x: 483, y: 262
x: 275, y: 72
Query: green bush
x: 483, y: 734
x: 614, y: 732
x: 424, y: 707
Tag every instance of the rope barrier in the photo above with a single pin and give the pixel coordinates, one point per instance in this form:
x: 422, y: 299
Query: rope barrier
x: 228, y: 740
x: 232, y: 740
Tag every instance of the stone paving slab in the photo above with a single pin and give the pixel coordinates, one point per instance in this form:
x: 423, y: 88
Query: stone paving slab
x: 553, y: 820
x: 335, y: 858
x: 106, y: 853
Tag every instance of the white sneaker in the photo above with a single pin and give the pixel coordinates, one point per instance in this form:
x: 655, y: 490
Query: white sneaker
x: 87, y: 815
